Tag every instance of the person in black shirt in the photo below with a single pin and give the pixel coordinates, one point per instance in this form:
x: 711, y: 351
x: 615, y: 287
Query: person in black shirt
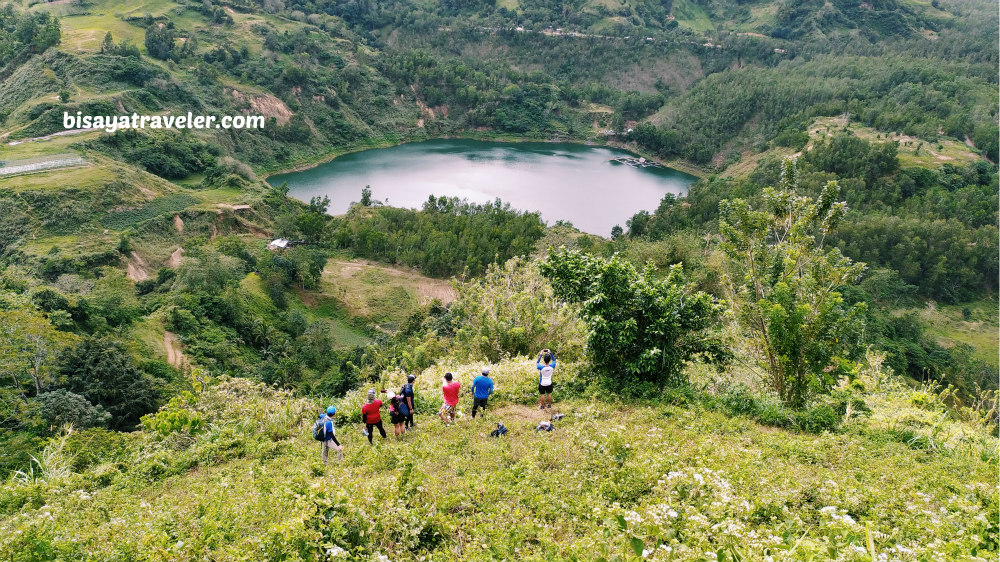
x: 407, y: 393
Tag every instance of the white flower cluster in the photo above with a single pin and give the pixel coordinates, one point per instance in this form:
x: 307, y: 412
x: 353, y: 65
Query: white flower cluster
x: 834, y: 515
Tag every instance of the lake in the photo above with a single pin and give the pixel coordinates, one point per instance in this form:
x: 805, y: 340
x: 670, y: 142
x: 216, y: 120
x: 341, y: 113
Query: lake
x: 571, y: 182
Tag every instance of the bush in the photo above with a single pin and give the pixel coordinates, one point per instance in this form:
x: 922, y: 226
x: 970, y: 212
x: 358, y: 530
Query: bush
x: 642, y: 329
x: 103, y: 372
x: 62, y: 407
x: 512, y: 311
x: 97, y: 446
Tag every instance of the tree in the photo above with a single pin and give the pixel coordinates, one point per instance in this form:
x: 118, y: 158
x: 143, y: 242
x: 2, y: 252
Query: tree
x: 60, y: 407
x: 29, y: 344
x: 104, y: 373
x: 312, y: 222
x: 108, y: 45
x: 783, y: 285
x: 160, y: 41
x: 642, y: 329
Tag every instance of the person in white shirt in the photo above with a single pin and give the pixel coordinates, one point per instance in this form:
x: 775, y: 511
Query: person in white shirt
x: 546, y: 367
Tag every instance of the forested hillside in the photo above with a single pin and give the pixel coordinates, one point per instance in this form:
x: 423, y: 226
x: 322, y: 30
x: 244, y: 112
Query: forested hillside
x: 797, y: 360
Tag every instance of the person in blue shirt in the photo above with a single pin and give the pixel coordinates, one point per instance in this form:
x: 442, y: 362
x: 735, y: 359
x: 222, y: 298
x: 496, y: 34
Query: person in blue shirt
x: 329, y: 435
x: 482, y: 387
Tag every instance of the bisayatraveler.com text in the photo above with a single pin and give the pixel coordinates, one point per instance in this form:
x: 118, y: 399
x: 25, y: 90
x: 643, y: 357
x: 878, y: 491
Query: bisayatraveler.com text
x: 112, y: 123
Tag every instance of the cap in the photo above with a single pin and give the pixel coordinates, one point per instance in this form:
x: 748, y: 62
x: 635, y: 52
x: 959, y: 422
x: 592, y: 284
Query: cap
x: 486, y: 371
x: 410, y: 378
x: 331, y: 410
x: 371, y: 394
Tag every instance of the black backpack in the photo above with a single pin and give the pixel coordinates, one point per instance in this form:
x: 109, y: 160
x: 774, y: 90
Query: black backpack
x: 501, y: 430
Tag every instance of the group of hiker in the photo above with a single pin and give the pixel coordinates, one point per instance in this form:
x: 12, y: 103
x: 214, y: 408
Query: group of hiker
x: 402, y: 407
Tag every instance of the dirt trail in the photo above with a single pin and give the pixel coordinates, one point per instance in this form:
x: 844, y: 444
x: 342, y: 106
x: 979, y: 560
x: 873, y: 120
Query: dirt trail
x: 136, y: 268
x: 173, y: 346
x: 179, y: 224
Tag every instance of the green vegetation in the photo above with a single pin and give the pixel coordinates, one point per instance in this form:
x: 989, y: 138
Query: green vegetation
x: 642, y: 329
x: 246, y: 482
x: 782, y: 285
x: 447, y: 237
x: 120, y: 220
x: 160, y: 367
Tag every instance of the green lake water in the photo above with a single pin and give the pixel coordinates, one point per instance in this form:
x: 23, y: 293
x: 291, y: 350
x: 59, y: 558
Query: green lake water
x: 572, y: 182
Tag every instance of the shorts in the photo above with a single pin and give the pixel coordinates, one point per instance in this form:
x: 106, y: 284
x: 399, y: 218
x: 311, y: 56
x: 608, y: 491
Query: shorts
x: 545, y: 389
x: 396, y: 418
x: 447, y: 409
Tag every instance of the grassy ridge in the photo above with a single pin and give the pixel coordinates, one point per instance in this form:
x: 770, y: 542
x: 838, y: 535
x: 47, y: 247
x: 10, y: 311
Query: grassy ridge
x: 611, y: 478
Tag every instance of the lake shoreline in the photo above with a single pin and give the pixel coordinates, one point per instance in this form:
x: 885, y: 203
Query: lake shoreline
x: 678, y: 165
x: 578, y: 182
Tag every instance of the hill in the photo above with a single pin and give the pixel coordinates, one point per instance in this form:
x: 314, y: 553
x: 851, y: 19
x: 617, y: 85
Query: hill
x: 612, y: 481
x: 161, y: 366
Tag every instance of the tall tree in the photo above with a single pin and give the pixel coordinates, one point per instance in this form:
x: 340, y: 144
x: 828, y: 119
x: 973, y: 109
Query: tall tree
x: 783, y: 285
x: 103, y: 372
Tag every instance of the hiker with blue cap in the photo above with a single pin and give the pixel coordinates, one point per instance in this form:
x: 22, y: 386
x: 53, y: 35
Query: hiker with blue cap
x: 324, y: 431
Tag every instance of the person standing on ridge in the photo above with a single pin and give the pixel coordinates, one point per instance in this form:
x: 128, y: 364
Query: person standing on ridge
x: 325, y: 432
x: 546, y: 367
x: 371, y: 416
x: 450, y: 392
x: 482, y: 387
x: 407, y: 393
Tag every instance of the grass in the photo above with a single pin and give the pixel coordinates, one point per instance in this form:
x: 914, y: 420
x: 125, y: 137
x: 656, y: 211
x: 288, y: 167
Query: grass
x: 47, y: 147
x: 948, y: 325
x: 912, y: 151
x: 81, y: 177
x: 611, y: 481
x: 82, y: 243
x: 375, y: 293
x: 120, y: 220
x: 692, y: 16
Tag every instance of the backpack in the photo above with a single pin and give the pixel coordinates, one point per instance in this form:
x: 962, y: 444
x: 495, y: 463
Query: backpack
x: 500, y: 431
x: 545, y: 426
x: 402, y: 408
x: 319, y: 429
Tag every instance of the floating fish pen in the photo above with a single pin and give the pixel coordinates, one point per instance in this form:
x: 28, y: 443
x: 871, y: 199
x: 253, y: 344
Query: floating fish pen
x: 636, y: 162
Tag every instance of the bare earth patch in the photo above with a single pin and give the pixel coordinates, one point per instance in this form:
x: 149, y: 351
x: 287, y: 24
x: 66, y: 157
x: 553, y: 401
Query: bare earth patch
x: 136, y: 267
x: 174, y: 261
x: 173, y: 346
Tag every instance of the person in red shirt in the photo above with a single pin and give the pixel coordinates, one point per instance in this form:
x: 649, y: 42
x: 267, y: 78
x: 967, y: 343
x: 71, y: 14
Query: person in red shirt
x: 450, y: 392
x: 371, y: 417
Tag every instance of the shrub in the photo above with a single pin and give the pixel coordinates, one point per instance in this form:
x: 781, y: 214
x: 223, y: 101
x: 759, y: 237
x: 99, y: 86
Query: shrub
x: 782, y: 285
x: 642, y: 329
x: 103, y: 372
x: 61, y: 407
x: 512, y: 311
